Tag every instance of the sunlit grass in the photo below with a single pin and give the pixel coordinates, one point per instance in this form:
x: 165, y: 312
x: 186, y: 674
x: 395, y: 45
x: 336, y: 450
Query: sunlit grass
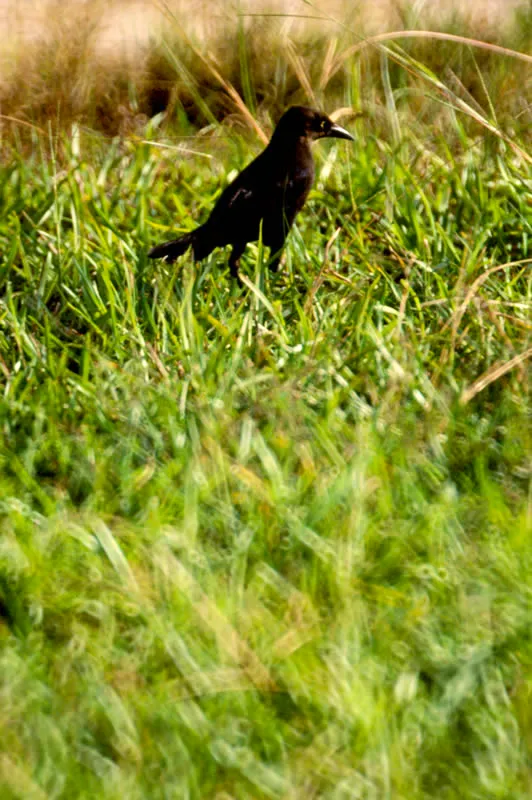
x: 270, y: 542
x: 266, y: 542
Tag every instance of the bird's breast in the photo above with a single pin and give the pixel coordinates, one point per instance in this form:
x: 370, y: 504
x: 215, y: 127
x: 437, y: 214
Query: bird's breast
x: 297, y: 186
x: 299, y: 175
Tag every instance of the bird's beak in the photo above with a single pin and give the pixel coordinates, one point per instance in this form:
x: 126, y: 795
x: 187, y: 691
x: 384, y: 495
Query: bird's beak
x: 338, y: 132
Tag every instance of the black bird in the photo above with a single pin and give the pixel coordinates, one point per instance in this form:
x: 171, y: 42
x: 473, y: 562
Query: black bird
x: 269, y: 191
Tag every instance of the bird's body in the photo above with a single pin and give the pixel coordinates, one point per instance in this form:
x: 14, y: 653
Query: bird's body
x: 267, y: 194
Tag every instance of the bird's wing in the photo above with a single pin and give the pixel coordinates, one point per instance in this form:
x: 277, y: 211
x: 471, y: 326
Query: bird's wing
x: 241, y: 195
x: 243, y: 203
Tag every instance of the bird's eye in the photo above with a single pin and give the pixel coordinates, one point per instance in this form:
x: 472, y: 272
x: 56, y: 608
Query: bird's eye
x: 323, y: 124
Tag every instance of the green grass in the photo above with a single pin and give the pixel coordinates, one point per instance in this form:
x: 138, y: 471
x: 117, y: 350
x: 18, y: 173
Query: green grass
x: 269, y: 543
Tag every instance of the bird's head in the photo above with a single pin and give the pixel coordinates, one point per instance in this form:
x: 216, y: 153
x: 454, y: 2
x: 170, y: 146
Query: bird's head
x: 300, y: 121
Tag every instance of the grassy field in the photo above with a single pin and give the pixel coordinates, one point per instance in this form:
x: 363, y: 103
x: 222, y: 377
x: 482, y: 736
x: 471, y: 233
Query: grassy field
x: 271, y: 542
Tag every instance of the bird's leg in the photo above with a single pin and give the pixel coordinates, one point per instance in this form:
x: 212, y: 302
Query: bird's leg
x: 234, y: 259
x: 274, y: 264
x: 276, y: 251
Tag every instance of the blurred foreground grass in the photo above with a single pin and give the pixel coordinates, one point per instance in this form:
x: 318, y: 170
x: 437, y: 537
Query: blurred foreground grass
x: 271, y: 543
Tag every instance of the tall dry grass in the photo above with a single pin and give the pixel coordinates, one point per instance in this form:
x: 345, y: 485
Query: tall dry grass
x: 113, y: 64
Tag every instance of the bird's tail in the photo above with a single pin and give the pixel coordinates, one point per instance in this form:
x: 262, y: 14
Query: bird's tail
x: 201, y: 240
x: 175, y: 248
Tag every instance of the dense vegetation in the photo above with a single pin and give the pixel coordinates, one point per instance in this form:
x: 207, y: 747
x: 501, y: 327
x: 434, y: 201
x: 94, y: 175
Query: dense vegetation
x: 271, y: 542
